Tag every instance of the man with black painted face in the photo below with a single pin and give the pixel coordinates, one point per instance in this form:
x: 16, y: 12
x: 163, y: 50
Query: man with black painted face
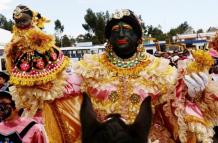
x: 16, y: 129
x: 124, y: 75
x: 124, y: 40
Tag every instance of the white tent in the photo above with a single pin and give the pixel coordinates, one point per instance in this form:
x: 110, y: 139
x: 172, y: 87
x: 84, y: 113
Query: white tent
x: 5, y: 36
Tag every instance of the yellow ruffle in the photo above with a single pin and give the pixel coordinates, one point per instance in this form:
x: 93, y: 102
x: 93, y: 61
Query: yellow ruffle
x: 99, y: 72
x: 190, y: 118
x: 208, y: 104
x: 30, y: 38
x: 32, y: 98
x: 204, y: 134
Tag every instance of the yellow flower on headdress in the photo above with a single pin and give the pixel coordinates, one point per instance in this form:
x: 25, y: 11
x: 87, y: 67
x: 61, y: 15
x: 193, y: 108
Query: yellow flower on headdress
x: 40, y: 41
x: 202, y: 61
x: 39, y: 20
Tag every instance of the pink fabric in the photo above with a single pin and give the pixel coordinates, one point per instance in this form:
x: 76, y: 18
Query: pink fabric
x: 38, y: 117
x: 213, y: 53
x: 143, y: 93
x: 73, y: 86
x: 35, y: 135
x: 192, y: 109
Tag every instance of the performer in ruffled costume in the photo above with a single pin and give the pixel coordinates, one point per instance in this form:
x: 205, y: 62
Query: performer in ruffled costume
x: 117, y: 81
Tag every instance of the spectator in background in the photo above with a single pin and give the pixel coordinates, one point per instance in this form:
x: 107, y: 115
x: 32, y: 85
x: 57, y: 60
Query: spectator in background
x: 16, y: 129
x: 184, y: 59
x: 173, y: 60
x: 166, y: 55
x: 214, y: 73
x: 4, y: 78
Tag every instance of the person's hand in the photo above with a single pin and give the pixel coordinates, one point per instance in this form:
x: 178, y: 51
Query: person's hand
x: 196, y: 83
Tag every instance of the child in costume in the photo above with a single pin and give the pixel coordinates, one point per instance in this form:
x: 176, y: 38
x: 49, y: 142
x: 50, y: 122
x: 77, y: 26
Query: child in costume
x: 16, y: 129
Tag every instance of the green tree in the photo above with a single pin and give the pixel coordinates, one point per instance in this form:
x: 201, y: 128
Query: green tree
x: 170, y: 34
x: 200, y: 31
x: 155, y: 32
x: 3, y: 20
x: 144, y: 28
x: 84, y: 38
x: 66, y: 41
x: 5, y: 24
x: 59, y: 29
x: 73, y: 41
x: 95, y: 24
x: 181, y: 29
x: 8, y: 25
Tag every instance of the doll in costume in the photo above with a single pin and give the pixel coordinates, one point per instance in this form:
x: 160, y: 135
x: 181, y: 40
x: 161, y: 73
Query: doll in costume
x: 33, y: 61
x: 38, y: 74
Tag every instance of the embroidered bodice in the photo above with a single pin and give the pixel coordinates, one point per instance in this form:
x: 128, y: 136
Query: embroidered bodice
x: 121, y: 90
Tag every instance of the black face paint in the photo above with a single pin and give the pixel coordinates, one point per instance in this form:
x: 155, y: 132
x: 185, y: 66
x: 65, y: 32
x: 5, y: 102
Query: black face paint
x: 124, y: 40
x: 5, y: 111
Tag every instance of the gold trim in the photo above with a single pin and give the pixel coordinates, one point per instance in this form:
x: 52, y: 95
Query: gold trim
x: 190, y: 118
x: 22, y: 81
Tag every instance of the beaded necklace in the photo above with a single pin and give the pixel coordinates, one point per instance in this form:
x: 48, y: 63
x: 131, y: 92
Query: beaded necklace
x: 137, y: 58
x: 131, y: 66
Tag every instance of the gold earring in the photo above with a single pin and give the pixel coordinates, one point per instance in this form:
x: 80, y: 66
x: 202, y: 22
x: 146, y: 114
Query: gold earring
x: 108, y: 47
x: 140, y: 46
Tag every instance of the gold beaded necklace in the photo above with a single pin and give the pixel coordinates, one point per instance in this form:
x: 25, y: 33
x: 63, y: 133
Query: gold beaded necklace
x: 131, y: 66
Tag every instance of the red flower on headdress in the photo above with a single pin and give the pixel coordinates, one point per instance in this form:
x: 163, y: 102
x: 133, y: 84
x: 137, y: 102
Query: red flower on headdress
x: 24, y: 66
x: 40, y: 64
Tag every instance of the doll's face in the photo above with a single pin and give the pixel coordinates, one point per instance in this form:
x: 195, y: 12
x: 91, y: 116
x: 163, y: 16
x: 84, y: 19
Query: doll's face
x: 24, y: 21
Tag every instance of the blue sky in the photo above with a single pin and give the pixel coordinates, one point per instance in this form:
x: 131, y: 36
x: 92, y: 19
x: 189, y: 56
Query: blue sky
x: 167, y: 13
